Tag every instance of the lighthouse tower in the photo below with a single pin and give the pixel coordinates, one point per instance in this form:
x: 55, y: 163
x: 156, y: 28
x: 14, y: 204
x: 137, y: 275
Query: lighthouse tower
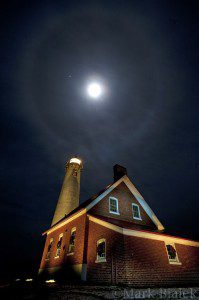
x: 69, y: 195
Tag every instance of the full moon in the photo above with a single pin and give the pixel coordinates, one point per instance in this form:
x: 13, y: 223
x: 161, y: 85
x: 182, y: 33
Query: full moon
x: 94, y: 90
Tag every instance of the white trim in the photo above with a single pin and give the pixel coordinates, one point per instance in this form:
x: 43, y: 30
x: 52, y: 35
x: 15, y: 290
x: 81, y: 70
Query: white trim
x: 59, y: 249
x: 133, y: 190
x: 65, y: 221
x: 114, y: 212
x: 101, y: 259
x: 171, y: 261
x: 135, y: 218
x: 47, y: 256
x: 105, y: 193
x: 75, y: 160
x: 70, y: 253
x: 136, y: 194
x: 106, y: 224
x: 175, y: 263
x: 144, y: 234
x: 143, y: 203
x: 74, y: 229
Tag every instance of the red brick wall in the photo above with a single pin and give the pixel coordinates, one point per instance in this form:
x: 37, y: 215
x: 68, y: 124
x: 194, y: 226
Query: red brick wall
x: 125, y: 200
x: 77, y: 258
x: 139, y: 261
x: 147, y: 263
x: 100, y: 272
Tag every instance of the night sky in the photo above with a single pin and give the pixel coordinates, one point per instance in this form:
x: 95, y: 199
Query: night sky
x: 146, y: 54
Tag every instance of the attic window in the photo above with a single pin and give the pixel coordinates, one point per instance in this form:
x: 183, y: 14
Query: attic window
x: 113, y: 206
x: 172, y: 254
x: 71, y: 247
x: 58, y: 251
x: 101, y: 250
x: 136, y: 212
x: 49, y: 249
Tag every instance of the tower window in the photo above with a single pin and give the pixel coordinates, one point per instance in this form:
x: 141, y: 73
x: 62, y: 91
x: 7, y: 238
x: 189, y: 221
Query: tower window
x: 101, y: 250
x: 113, y: 206
x: 58, y: 251
x: 172, y: 254
x: 75, y: 173
x: 71, y: 247
x: 136, y: 212
x: 49, y: 249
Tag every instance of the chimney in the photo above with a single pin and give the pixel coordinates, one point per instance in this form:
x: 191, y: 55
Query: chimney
x: 69, y: 195
x: 119, y: 171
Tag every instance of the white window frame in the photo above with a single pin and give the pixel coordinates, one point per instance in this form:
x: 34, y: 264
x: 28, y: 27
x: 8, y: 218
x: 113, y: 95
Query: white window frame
x: 172, y: 261
x: 72, y: 230
x: 113, y: 212
x: 59, y: 250
x: 48, y: 253
x: 136, y: 218
x: 101, y: 259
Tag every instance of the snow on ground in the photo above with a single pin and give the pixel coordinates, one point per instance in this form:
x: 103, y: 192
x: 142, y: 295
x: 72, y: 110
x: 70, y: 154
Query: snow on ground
x: 33, y: 291
x: 114, y: 292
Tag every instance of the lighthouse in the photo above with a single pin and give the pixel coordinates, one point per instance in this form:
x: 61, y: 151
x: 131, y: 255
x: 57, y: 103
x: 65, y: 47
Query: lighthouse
x: 69, y: 195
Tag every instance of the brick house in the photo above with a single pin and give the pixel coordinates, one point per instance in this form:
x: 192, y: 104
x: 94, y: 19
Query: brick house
x: 114, y: 238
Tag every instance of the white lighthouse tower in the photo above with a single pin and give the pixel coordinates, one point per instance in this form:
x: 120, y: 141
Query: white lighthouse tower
x: 69, y: 195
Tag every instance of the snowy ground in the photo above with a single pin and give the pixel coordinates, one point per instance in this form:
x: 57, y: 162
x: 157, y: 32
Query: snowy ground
x: 93, y: 292
x: 54, y: 292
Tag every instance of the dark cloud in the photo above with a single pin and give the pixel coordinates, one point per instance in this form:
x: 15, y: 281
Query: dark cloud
x: 146, y: 53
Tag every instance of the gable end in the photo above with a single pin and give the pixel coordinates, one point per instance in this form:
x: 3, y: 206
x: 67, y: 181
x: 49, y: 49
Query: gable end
x: 135, y: 193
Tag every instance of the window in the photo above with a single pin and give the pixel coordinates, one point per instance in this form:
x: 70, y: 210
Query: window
x: 59, y: 245
x: 71, y: 247
x: 172, y: 254
x: 49, y: 249
x: 101, y: 251
x: 136, y: 212
x: 113, y: 206
x: 75, y: 173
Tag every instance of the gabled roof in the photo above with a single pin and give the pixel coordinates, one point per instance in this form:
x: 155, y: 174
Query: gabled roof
x: 136, y: 194
x: 83, y: 205
x: 88, y: 204
x: 124, y: 224
x: 143, y: 233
